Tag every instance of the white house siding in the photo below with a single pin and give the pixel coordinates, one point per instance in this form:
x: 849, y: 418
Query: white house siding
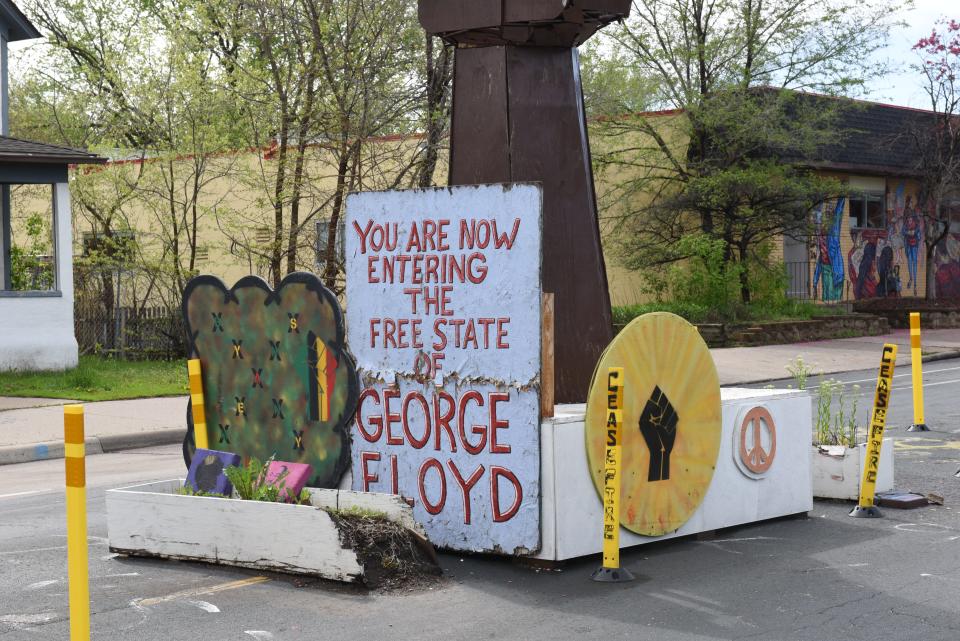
x: 36, y: 329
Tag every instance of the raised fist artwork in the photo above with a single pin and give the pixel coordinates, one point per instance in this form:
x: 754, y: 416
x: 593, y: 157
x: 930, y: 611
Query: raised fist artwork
x: 666, y: 354
x: 658, y: 424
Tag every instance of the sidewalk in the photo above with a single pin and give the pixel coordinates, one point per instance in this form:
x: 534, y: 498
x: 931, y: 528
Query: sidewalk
x: 32, y: 429
x: 742, y: 365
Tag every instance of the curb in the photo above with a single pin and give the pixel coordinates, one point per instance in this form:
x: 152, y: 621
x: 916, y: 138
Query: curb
x: 930, y: 358
x: 940, y: 356
x: 12, y: 454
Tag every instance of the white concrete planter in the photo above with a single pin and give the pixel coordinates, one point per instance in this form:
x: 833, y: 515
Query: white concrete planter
x: 572, y: 515
x: 152, y: 520
x: 837, y: 470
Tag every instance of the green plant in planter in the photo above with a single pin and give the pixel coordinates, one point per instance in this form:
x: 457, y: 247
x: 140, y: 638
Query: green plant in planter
x: 186, y: 490
x: 250, y: 483
x: 800, y: 370
x: 845, y: 423
x: 840, y: 427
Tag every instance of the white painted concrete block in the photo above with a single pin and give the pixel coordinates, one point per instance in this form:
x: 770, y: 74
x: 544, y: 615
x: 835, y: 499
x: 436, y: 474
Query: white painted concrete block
x: 152, y: 520
x: 837, y: 471
x: 571, y: 509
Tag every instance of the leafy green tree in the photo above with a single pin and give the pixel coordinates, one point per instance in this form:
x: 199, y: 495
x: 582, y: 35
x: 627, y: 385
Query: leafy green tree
x: 319, y: 84
x: 723, y: 160
x: 113, y: 76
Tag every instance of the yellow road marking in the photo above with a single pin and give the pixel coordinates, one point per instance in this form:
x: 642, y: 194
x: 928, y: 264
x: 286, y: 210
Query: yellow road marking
x: 926, y: 444
x: 213, y: 589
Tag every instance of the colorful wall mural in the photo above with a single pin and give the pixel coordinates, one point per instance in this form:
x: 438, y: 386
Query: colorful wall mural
x: 947, y: 266
x: 828, y: 273
x: 849, y: 262
x: 885, y: 262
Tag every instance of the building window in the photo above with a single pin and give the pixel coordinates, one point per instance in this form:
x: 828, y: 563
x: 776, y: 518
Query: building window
x: 31, y: 238
x: 323, y: 236
x: 867, y: 210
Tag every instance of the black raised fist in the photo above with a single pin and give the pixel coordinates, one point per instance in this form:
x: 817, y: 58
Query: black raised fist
x: 658, y: 424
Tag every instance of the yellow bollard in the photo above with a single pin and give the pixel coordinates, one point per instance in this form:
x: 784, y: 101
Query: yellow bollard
x: 610, y: 571
x: 200, y: 436
x: 919, y: 425
x: 77, y: 562
x: 878, y: 421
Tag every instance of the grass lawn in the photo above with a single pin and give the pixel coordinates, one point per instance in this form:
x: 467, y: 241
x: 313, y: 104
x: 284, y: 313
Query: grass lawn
x: 99, y: 379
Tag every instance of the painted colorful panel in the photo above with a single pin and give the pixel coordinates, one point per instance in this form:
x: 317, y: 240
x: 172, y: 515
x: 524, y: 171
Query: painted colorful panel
x: 206, y: 471
x: 278, y: 378
x: 296, y: 477
x: 671, y: 422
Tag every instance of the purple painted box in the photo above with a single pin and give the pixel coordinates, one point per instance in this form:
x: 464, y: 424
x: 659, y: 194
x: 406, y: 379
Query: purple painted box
x: 297, y: 475
x: 206, y: 471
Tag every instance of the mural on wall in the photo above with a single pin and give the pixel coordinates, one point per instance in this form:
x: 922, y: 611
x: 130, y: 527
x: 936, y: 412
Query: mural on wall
x: 829, y: 268
x: 881, y: 259
x: 278, y: 379
x: 910, y: 231
x: 947, y: 267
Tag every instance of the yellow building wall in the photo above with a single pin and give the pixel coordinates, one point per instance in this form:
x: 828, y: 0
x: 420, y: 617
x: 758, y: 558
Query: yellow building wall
x: 620, y: 191
x: 235, y: 229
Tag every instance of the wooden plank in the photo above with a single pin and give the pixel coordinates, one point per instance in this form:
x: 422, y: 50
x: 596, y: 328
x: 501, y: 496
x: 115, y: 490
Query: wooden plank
x: 547, y: 350
x: 533, y: 10
x: 548, y: 144
x: 395, y: 508
x: 481, y: 151
x: 152, y: 520
x: 440, y: 16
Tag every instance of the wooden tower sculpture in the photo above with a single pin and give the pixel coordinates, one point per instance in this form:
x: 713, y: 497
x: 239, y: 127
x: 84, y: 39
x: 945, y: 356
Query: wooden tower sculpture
x: 518, y: 116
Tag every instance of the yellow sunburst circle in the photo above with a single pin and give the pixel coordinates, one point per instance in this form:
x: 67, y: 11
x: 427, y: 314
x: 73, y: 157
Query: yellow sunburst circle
x: 671, y: 422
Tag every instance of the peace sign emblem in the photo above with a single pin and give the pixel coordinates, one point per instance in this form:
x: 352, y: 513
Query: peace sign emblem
x: 757, y: 440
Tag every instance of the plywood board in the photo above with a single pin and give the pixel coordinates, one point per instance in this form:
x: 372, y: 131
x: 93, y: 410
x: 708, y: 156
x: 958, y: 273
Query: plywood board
x: 445, y: 323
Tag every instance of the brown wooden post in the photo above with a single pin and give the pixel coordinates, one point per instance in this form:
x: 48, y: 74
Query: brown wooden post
x: 518, y: 116
x: 547, y: 349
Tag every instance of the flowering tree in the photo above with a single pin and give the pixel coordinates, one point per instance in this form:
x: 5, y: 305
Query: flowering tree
x: 937, y: 139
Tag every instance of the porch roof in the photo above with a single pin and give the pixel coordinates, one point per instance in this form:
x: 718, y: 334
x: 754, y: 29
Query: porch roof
x: 15, y: 150
x: 18, y: 25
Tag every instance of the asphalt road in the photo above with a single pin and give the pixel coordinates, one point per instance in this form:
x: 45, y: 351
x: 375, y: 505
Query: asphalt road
x: 822, y: 578
x: 926, y: 461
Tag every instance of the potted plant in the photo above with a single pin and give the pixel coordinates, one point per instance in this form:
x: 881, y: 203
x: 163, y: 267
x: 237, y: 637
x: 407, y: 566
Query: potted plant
x: 839, y: 443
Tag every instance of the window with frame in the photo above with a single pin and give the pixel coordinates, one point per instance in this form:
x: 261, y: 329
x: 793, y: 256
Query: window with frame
x: 30, y: 263
x: 867, y: 210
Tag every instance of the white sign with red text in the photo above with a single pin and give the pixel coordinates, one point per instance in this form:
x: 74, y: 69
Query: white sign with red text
x: 443, y: 317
